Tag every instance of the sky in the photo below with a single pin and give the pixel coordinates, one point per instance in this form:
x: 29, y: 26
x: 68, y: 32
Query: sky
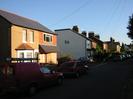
x: 108, y: 18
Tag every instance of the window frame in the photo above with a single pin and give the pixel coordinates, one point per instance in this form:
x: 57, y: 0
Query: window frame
x: 47, y: 38
x: 25, y: 52
x: 24, y: 36
x: 32, y: 37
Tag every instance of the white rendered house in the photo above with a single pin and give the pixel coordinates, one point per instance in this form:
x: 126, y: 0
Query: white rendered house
x: 72, y: 44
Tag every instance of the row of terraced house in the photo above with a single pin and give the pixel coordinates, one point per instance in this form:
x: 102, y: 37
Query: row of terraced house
x: 25, y: 38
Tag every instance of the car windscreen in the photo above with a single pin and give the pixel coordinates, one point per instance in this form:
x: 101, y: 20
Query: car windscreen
x: 45, y: 70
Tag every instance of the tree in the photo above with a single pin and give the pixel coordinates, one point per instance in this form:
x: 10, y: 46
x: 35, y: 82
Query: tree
x: 98, y: 49
x: 130, y: 27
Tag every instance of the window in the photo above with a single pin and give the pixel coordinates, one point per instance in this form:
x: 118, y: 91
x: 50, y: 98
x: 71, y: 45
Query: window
x: 36, y: 54
x: 44, y: 70
x: 67, y: 42
x: 8, y: 71
x: 21, y: 55
x: 24, y: 35
x: 31, y: 36
x: 29, y: 54
x: 25, y: 54
x: 47, y: 38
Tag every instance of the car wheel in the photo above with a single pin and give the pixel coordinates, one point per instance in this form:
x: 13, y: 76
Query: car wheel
x: 77, y: 75
x: 60, y: 81
x: 32, y: 90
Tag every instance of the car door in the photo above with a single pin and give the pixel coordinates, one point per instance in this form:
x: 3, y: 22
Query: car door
x: 9, y: 77
x: 48, y: 75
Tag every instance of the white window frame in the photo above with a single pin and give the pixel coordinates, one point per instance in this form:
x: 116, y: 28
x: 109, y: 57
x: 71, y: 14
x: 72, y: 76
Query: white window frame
x: 24, y: 36
x: 48, y: 36
x: 25, y: 53
x: 31, y: 36
x: 88, y: 44
x: 36, y: 51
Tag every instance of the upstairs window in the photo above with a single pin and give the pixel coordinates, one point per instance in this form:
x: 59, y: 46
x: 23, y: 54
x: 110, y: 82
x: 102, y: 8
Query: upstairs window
x: 31, y: 36
x: 24, y: 36
x: 47, y: 38
x: 67, y: 42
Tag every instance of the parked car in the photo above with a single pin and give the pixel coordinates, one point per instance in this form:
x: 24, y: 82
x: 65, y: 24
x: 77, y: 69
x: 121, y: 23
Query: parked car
x: 75, y: 68
x: 27, y: 77
x: 86, y: 60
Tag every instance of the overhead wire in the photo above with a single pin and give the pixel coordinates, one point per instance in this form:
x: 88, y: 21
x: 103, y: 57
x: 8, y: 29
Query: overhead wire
x: 110, y: 17
x: 87, y: 2
x: 121, y: 14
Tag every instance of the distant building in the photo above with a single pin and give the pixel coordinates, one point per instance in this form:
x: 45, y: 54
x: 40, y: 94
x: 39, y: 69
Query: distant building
x: 111, y: 46
x: 73, y: 44
x: 96, y: 42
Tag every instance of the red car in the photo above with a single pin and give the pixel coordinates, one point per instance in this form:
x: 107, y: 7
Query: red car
x: 27, y: 77
x: 73, y: 68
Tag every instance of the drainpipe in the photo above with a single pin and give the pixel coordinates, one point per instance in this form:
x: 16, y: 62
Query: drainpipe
x: 85, y: 48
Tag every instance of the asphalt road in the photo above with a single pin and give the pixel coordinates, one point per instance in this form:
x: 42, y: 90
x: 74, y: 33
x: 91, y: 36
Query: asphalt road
x: 104, y: 81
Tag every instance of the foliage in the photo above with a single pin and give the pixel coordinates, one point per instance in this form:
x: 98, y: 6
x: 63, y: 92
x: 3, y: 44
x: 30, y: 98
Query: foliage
x: 130, y: 27
x: 98, y: 49
x: 63, y: 59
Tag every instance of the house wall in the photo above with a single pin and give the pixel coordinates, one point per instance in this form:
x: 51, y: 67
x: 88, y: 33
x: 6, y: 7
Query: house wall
x: 50, y: 57
x: 42, y: 42
x: 5, y: 38
x: 70, y: 44
x: 94, y: 44
x: 118, y: 48
x: 16, y: 39
x: 105, y: 47
x: 112, y: 47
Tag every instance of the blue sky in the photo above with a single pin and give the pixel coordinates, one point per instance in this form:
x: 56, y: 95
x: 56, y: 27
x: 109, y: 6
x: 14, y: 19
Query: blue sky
x: 108, y: 18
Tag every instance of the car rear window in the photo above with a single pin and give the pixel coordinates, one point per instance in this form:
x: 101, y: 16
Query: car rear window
x: 6, y: 70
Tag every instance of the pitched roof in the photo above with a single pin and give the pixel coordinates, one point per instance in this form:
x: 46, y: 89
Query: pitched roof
x: 96, y: 39
x: 24, y: 47
x: 117, y: 43
x: 24, y: 22
x: 43, y: 49
x: 75, y: 33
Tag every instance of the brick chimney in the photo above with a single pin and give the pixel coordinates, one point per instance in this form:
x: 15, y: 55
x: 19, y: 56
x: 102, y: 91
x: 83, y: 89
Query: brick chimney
x: 75, y: 28
x: 91, y: 34
x: 97, y: 36
x: 84, y: 33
